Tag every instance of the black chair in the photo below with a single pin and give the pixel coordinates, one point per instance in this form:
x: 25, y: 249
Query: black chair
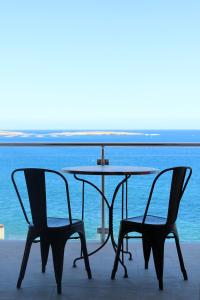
x: 156, y: 229
x: 52, y: 232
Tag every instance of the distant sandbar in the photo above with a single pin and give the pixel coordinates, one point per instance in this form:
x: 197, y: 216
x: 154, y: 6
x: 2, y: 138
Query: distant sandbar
x: 11, y: 133
x: 72, y: 133
x: 4, y: 133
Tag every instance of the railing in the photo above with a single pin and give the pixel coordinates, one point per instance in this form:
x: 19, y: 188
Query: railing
x: 102, y: 160
x: 96, y: 144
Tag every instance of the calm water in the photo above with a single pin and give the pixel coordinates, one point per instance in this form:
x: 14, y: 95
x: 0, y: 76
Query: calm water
x: 57, y: 158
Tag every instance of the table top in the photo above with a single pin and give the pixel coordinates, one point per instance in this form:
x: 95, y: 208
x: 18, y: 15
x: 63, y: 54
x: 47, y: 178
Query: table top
x: 110, y: 170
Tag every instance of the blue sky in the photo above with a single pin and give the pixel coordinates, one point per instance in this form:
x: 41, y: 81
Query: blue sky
x: 99, y: 64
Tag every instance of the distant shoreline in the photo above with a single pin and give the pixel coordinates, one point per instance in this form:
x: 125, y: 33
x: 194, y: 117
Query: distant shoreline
x: 5, y: 133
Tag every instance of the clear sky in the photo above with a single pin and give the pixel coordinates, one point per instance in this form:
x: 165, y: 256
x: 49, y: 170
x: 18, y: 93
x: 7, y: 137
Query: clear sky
x: 103, y: 64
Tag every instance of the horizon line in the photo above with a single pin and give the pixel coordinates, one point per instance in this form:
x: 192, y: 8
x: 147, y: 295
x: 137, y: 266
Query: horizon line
x: 97, y: 129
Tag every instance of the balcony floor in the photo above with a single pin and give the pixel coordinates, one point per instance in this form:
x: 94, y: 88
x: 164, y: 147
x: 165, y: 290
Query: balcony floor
x: 141, y: 284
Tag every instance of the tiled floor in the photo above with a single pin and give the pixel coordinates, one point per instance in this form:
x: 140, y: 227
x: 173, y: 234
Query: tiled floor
x: 141, y: 284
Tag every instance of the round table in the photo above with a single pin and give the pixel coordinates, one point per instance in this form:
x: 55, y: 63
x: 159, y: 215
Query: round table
x: 110, y: 170
x: 105, y: 170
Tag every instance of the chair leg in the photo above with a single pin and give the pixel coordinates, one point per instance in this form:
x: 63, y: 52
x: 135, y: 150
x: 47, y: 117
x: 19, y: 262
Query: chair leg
x: 44, y: 248
x: 146, y: 249
x: 27, y: 249
x: 58, y: 248
x: 85, y: 254
x: 158, y: 255
x: 180, y: 256
x: 117, y: 255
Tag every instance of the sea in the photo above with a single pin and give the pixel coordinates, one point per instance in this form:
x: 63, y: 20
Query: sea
x: 57, y: 158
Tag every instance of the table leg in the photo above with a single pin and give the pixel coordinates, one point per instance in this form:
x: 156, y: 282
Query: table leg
x: 120, y: 184
x: 106, y: 201
x: 110, y: 208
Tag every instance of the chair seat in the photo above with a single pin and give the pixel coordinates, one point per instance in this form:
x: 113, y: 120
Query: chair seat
x: 60, y: 222
x: 150, y: 220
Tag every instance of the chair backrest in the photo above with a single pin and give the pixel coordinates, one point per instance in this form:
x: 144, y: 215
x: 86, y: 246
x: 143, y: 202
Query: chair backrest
x: 36, y: 187
x: 180, y: 179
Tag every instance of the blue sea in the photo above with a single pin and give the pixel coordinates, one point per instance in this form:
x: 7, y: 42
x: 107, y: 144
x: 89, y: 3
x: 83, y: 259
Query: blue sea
x: 138, y: 187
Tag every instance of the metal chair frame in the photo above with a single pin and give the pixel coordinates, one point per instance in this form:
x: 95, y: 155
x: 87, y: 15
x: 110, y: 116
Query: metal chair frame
x: 55, y: 235
x: 153, y: 233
